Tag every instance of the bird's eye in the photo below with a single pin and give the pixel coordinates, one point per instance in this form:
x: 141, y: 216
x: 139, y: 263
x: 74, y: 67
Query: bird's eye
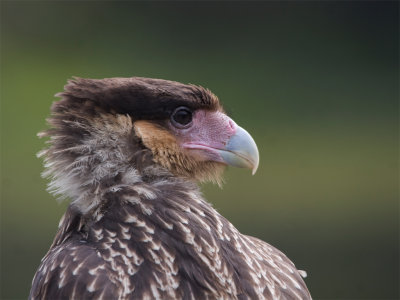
x: 181, y: 117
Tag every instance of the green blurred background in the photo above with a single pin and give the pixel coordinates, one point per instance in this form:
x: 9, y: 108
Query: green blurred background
x: 316, y: 83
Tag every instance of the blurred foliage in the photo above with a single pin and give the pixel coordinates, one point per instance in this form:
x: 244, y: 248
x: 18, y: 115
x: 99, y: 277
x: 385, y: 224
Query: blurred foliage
x: 316, y: 83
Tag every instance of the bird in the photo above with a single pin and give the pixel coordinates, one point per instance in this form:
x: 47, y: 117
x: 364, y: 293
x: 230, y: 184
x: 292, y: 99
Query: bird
x: 129, y: 154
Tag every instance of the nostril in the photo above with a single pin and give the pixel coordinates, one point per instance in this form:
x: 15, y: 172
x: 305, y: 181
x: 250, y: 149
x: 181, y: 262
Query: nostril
x: 232, y: 125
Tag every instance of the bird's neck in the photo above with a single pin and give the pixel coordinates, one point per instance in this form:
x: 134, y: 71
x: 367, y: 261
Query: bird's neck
x: 162, y: 207
x: 88, y: 159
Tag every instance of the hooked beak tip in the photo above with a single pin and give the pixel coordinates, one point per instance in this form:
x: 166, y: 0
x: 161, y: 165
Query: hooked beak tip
x: 253, y: 172
x: 241, y: 151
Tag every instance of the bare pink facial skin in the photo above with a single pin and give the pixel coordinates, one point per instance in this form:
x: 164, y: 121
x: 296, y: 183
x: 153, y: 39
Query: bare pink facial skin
x: 213, y: 136
x: 208, y: 132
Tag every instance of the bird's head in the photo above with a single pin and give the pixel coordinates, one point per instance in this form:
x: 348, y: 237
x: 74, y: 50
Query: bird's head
x: 180, y: 127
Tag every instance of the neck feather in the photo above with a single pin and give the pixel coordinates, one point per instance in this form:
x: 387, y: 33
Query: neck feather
x: 87, y: 158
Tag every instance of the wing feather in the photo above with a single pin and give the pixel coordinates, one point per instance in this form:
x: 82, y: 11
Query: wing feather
x: 73, y: 270
x: 282, y: 278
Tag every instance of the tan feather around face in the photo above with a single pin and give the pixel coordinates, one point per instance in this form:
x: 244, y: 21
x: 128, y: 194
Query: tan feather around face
x: 167, y: 152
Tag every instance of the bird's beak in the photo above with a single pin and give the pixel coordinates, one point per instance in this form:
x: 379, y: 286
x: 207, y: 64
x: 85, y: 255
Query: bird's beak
x: 216, y: 137
x: 241, y: 151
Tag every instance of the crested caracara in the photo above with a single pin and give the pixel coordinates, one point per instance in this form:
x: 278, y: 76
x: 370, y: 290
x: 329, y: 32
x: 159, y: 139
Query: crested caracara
x: 128, y: 153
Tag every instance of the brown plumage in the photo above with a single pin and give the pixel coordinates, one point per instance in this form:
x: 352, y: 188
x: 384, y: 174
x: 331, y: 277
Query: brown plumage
x: 128, y: 153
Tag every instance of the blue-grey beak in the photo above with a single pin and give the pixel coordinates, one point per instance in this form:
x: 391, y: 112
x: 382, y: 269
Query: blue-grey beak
x: 241, y: 151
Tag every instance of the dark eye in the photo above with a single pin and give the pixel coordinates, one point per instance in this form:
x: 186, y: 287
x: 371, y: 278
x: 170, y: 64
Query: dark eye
x: 181, y: 117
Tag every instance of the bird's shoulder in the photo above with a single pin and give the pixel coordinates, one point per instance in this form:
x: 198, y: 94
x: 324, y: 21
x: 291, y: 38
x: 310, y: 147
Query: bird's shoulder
x: 275, y: 270
x: 73, y: 270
